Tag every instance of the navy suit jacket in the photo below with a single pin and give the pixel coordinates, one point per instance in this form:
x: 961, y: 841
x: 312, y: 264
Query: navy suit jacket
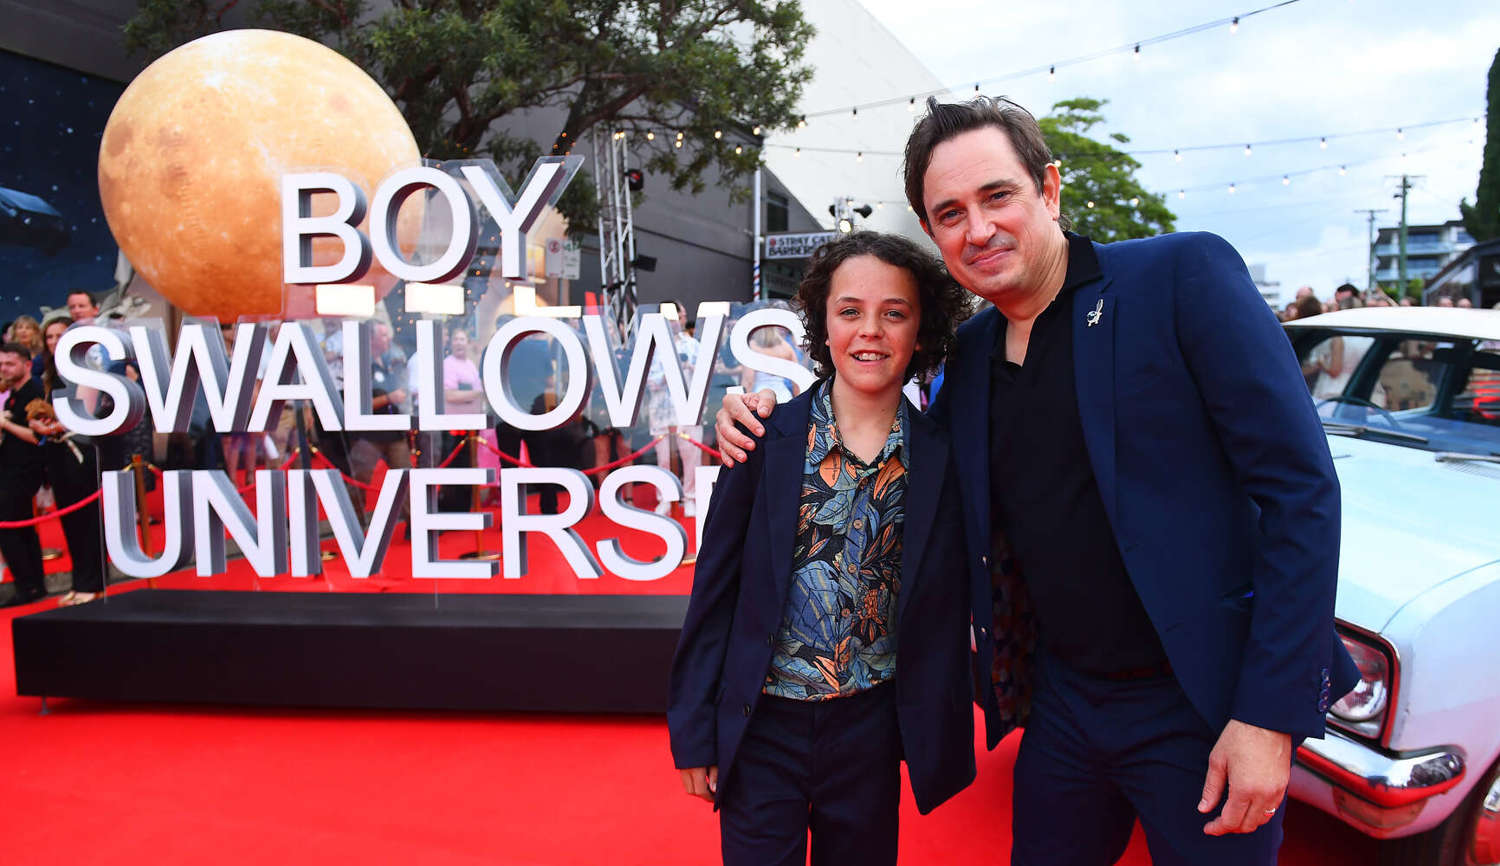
x: 740, y: 587
x: 1215, y: 474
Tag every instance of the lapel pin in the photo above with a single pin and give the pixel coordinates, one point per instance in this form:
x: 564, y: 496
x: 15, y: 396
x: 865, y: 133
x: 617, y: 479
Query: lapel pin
x: 1093, y: 318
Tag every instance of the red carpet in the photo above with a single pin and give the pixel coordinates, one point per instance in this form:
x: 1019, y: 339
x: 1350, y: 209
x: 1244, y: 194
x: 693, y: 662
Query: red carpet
x: 112, y: 784
x: 131, y: 784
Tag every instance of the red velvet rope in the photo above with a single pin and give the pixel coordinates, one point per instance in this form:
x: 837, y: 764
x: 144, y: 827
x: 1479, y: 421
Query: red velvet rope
x: 18, y: 524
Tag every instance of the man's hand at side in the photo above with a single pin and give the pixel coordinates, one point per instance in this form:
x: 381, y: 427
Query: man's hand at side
x: 701, y: 782
x: 747, y: 410
x: 1256, y: 763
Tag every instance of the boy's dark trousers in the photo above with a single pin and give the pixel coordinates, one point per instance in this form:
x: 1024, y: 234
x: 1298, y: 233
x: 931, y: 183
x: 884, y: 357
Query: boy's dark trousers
x: 830, y: 767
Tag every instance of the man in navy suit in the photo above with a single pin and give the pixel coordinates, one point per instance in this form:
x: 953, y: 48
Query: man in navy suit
x: 1151, y: 510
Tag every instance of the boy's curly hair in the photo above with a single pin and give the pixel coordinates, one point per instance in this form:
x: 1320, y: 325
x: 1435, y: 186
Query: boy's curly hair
x: 944, y: 304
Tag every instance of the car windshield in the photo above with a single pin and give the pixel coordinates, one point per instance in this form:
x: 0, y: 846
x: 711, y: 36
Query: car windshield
x: 1436, y: 393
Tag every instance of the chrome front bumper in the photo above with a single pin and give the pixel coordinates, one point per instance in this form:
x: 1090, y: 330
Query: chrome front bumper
x: 1377, y: 791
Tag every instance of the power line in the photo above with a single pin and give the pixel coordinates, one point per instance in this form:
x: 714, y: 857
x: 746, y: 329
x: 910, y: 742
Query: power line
x: 1133, y: 46
x: 1156, y: 151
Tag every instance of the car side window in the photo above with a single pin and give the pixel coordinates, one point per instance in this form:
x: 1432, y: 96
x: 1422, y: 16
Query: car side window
x: 1409, y: 377
x: 1478, y: 401
x: 1330, y: 365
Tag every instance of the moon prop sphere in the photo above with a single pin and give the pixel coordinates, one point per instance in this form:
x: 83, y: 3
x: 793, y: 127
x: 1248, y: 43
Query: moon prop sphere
x: 192, y: 155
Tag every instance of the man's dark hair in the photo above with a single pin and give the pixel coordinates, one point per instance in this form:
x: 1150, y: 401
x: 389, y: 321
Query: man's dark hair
x: 86, y: 293
x: 13, y: 348
x: 1346, y: 287
x: 946, y: 121
x: 943, y: 302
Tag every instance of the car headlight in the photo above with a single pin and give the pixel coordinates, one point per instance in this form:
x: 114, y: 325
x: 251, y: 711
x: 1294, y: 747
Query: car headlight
x: 1363, y: 709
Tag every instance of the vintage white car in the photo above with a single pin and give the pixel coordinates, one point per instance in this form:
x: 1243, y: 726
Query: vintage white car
x: 1410, y: 400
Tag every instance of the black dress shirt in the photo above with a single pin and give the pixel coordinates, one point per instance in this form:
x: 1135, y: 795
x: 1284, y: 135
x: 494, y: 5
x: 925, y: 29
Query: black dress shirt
x: 1047, y: 500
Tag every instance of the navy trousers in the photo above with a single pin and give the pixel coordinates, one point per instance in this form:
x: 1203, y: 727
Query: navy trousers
x: 832, y: 768
x: 1097, y: 754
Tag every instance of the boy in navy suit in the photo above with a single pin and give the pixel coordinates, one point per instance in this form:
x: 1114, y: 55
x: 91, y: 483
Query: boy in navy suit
x: 826, y: 636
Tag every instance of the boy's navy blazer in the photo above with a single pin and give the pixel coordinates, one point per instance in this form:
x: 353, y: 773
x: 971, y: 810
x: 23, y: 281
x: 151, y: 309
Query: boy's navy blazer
x: 740, y: 587
x: 1215, y: 474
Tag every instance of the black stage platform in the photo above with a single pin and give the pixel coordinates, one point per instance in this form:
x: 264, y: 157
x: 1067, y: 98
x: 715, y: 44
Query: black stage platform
x: 554, y: 653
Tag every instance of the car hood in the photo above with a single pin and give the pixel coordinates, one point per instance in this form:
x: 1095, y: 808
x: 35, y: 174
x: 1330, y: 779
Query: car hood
x: 1409, y: 524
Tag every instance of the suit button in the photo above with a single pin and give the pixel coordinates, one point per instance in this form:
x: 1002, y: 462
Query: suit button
x: 747, y: 711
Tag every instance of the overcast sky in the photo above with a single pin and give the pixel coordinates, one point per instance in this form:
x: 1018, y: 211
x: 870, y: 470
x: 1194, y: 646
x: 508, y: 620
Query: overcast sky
x: 1312, y: 68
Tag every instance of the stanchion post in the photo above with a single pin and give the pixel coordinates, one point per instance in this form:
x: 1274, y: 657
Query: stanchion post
x: 142, y: 513
x: 474, y: 498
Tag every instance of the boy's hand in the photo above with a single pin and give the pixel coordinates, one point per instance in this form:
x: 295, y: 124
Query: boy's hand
x: 701, y: 782
x: 745, y: 409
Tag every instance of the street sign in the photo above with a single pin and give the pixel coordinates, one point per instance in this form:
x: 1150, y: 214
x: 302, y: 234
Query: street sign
x: 798, y: 245
x: 564, y: 258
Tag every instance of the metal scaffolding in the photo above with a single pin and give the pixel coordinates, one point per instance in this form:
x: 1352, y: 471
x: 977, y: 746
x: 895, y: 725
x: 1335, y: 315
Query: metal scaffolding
x: 616, y: 231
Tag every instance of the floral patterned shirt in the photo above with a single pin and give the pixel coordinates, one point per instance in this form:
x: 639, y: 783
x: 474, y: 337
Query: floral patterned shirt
x: 838, y: 632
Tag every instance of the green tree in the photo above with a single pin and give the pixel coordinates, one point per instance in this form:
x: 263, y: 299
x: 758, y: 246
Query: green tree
x: 1100, y: 193
x: 1482, y: 218
x: 458, y: 69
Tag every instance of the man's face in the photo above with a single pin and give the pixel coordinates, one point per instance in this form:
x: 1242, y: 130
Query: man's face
x: 81, y: 307
x: 1304, y: 292
x: 1342, y: 294
x: 986, y: 215
x: 380, y: 339
x: 458, y: 345
x: 13, y: 368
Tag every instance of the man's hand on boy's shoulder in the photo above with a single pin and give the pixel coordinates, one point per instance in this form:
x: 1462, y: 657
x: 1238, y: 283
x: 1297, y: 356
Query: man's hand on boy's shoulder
x: 742, y: 411
x: 701, y: 782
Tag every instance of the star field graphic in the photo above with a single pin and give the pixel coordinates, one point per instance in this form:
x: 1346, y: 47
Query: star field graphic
x: 53, y: 236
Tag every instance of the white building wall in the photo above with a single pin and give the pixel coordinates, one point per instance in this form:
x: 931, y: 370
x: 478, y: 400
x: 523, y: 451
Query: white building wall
x: 855, y: 60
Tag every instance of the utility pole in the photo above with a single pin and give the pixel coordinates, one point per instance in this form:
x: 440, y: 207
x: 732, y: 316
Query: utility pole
x: 1370, y: 212
x: 1406, y: 185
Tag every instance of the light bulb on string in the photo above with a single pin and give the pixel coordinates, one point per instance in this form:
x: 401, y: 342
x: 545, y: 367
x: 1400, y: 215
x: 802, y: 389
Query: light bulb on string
x: 677, y: 143
x: 1134, y: 201
x: 976, y: 87
x: 1322, y: 144
x: 650, y: 136
x: 1052, y: 73
x: 718, y: 134
x: 755, y: 130
x: 738, y: 150
x: 1090, y: 204
x: 1137, y: 54
x: 1247, y: 150
x: 859, y: 157
x: 1182, y: 193
x: 1286, y: 180
x: 797, y: 153
x: 1177, y: 156
x: 1234, y: 25
x: 1400, y: 136
x: 856, y: 111
x: 911, y: 104
x: 802, y: 123
x: 1343, y: 171
x: 1231, y: 189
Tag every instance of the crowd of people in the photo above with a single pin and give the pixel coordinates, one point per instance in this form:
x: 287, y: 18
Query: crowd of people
x: 1346, y: 296
x: 39, y: 457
